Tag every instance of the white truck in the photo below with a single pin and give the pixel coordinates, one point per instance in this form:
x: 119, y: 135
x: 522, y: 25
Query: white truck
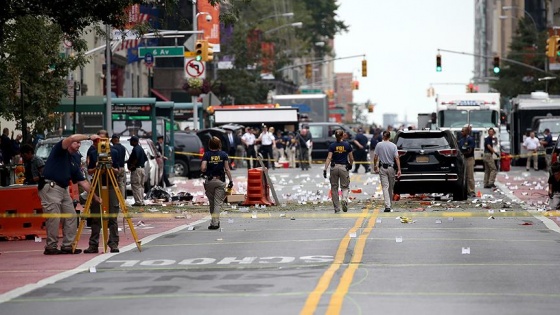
x: 479, y: 110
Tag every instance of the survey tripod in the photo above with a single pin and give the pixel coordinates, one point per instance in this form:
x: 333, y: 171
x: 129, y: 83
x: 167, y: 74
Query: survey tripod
x: 103, y: 178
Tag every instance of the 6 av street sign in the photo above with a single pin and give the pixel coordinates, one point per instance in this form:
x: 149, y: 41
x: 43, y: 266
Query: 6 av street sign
x: 161, y: 51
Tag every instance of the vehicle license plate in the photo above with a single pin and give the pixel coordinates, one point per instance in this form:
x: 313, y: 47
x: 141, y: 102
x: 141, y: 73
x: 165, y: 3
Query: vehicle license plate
x: 422, y: 159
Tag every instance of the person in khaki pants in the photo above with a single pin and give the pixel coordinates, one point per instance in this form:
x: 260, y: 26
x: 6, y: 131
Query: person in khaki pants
x: 466, y: 143
x: 340, y: 160
x: 215, y: 167
x: 532, y: 145
x: 490, y: 169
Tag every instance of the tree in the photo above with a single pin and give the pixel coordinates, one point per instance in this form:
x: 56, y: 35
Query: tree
x: 245, y: 44
x: 31, y: 34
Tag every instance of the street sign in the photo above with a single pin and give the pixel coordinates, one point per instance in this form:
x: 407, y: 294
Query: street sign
x: 149, y: 58
x: 338, y: 111
x: 194, y: 68
x: 189, y: 43
x: 162, y: 51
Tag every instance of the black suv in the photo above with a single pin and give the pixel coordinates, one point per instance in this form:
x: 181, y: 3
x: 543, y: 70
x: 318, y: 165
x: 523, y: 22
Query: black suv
x: 188, y: 154
x: 431, y: 162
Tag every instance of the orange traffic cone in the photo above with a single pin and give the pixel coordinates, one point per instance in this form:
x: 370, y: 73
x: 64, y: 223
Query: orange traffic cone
x: 478, y: 194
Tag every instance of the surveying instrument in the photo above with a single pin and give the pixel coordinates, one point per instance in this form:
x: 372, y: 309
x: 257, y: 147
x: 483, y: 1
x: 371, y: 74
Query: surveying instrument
x: 103, y: 178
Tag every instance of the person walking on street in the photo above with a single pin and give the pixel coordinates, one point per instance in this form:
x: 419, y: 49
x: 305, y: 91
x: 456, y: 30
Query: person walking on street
x: 360, y: 143
x: 340, y: 160
x: 248, y: 140
x: 121, y: 174
x: 490, y: 169
x: 466, y: 143
x: 531, y: 144
x: 135, y: 164
x: 33, y: 165
x: 215, y: 168
x: 165, y: 177
x: 548, y: 145
x: 113, y: 202
x: 385, y: 157
x: 61, y: 167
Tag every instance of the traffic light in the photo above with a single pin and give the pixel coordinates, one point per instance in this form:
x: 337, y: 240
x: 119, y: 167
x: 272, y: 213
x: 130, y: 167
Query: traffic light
x: 355, y: 85
x: 438, y: 63
x: 370, y: 108
x: 496, y: 64
x: 364, y: 68
x: 199, y: 50
x: 557, y: 45
x: 308, y: 71
x: 552, y: 46
x: 208, y: 53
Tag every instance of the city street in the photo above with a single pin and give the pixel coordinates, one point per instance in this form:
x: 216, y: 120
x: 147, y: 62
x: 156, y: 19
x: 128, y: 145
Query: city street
x: 496, y: 254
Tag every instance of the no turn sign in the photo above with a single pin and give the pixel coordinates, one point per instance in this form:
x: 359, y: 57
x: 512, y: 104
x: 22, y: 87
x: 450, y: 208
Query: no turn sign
x: 194, y: 69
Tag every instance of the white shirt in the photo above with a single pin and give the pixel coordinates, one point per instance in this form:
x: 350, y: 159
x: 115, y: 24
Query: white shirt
x: 531, y: 143
x: 249, y: 138
x: 267, y: 138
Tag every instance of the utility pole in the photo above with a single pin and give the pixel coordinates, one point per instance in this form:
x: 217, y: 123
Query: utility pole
x: 108, y: 106
x: 193, y: 97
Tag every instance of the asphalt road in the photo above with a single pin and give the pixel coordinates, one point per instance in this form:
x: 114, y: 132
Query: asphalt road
x: 493, y: 255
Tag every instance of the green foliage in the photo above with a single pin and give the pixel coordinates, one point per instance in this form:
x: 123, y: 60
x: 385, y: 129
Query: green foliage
x: 527, y: 47
x: 245, y: 86
x: 31, y: 36
x: 255, y: 20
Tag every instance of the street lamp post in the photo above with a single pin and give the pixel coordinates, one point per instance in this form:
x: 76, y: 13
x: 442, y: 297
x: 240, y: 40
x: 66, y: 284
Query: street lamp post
x: 287, y: 14
x: 296, y: 24
x: 76, y: 89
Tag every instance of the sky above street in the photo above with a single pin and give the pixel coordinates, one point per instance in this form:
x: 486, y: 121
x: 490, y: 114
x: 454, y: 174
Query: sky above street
x: 400, y: 39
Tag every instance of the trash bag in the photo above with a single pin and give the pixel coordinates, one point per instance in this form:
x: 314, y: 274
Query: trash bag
x: 185, y: 196
x: 158, y: 192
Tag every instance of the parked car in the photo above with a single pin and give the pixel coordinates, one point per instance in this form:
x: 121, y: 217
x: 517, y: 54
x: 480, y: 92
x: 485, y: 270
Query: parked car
x: 322, y: 136
x: 188, y: 154
x: 44, y: 148
x: 153, y: 167
x: 431, y: 162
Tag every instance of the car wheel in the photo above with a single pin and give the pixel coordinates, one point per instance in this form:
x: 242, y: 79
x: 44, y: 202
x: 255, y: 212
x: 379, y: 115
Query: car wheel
x: 181, y: 168
x: 460, y: 192
x: 147, y: 184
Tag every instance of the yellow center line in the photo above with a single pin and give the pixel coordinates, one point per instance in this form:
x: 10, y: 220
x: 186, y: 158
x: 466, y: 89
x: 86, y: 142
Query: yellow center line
x: 335, y: 304
x: 323, y: 284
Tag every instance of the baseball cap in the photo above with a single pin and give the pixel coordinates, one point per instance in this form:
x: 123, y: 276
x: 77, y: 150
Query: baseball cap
x: 115, y: 136
x: 133, y: 139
